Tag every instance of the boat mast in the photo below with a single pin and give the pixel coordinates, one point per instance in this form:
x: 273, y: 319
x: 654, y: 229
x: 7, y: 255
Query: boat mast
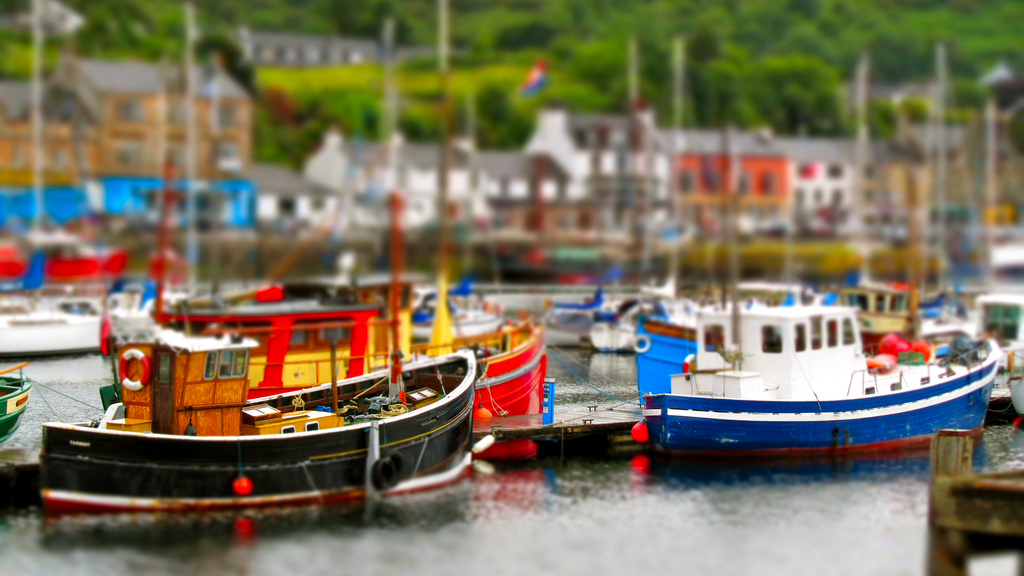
x: 678, y: 146
x: 941, y: 168
x: 474, y: 182
x: 860, y: 233
x: 990, y: 190
x: 39, y: 45
x: 441, y: 335
x: 733, y: 198
x: 163, y: 243
x: 190, y: 146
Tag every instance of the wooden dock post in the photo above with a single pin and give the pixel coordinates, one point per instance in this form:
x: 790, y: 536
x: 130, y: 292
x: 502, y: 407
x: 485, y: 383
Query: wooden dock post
x: 951, y: 457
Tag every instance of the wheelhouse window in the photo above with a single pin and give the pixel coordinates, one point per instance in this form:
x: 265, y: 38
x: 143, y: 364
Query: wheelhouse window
x: 859, y: 301
x: 164, y: 368
x: 299, y: 337
x: 211, y: 366
x: 714, y: 337
x: 849, y: 336
x: 288, y: 430
x: 800, y: 332
x: 312, y: 426
x: 880, y: 301
x: 816, y: 333
x: 233, y: 363
x: 1002, y: 322
x: 899, y: 303
x: 771, y: 339
x: 833, y: 333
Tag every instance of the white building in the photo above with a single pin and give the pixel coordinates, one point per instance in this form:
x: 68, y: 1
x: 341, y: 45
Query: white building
x: 823, y: 173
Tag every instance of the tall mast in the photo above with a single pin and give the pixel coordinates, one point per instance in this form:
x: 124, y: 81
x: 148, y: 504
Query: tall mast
x: 390, y: 99
x: 474, y: 181
x: 861, y: 160
x: 441, y: 335
x: 733, y: 198
x: 678, y: 145
x: 38, y: 153
x: 991, y: 153
x: 190, y: 145
x: 941, y: 169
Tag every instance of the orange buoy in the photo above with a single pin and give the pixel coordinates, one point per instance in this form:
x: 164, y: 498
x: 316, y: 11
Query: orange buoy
x: 482, y: 412
x: 882, y: 363
x: 639, y: 433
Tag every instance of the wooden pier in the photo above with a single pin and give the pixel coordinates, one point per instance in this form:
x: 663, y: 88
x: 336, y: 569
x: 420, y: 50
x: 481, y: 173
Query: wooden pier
x: 970, y: 513
x: 581, y: 431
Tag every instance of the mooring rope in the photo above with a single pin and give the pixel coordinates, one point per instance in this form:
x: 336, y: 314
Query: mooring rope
x: 55, y: 391
x: 50, y: 407
x: 581, y: 379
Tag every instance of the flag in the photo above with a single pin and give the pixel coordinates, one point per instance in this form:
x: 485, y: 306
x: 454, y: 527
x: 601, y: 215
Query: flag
x: 537, y: 80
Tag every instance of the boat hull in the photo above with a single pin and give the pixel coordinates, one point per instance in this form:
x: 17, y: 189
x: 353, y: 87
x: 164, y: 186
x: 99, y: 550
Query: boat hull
x: 690, y: 425
x: 514, y: 386
x: 76, y: 335
x: 669, y: 347
x: 92, y: 470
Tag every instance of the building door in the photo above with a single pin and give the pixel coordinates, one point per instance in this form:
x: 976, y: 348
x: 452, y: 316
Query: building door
x: 163, y: 393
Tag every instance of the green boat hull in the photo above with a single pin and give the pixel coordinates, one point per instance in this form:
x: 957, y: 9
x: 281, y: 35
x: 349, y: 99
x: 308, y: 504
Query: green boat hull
x: 12, y: 411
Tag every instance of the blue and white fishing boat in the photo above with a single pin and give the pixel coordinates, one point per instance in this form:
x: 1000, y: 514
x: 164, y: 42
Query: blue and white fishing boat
x: 799, y: 382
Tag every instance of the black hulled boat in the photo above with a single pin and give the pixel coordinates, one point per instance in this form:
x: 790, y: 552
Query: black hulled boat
x: 183, y: 437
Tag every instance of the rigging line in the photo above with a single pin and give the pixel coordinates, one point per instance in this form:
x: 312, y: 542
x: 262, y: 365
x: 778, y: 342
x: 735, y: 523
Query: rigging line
x: 50, y: 407
x: 581, y: 379
x: 68, y: 397
x: 801, y: 367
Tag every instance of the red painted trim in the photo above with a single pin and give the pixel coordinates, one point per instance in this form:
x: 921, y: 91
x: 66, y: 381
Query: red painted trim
x: 357, y: 350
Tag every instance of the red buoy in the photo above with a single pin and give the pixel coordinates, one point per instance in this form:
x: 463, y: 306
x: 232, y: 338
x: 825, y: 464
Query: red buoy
x: 482, y: 412
x: 641, y: 464
x: 245, y: 529
x: 639, y: 433
x: 242, y: 486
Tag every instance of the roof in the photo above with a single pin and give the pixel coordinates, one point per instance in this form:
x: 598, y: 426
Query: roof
x: 107, y: 76
x: 744, y: 143
x: 282, y: 181
x: 783, y: 312
x: 1009, y: 299
x: 306, y: 40
x: 500, y: 164
x: 178, y: 341
x: 819, y: 149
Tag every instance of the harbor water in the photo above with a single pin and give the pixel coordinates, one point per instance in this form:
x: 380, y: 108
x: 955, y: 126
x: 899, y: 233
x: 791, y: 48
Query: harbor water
x: 618, y: 516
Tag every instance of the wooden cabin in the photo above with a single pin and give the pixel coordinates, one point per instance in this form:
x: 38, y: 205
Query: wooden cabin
x: 184, y: 380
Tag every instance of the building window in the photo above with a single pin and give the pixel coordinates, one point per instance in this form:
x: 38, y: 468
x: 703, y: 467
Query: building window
x: 771, y: 339
x: 714, y: 337
x: 164, y: 368
x: 210, y: 372
x: 687, y: 181
x: 807, y: 171
x: 801, y: 197
x: 20, y: 158
x: 233, y: 363
x: 129, y: 153
x: 800, y: 337
x: 61, y: 159
x: 227, y: 116
x: 744, y: 183
x: 286, y: 207
x: 129, y: 111
x: 816, y: 333
x: 312, y: 55
x: 835, y: 171
x: 837, y: 197
x: 768, y: 183
x: 818, y: 197
x: 849, y: 336
x: 319, y: 204
x: 176, y: 113
x: 580, y: 137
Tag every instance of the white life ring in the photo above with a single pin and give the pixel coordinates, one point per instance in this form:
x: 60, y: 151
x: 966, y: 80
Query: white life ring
x: 129, y: 355
x: 642, y: 344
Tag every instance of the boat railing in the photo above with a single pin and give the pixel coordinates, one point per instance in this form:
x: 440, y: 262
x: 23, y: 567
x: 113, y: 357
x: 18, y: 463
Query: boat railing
x: 870, y: 376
